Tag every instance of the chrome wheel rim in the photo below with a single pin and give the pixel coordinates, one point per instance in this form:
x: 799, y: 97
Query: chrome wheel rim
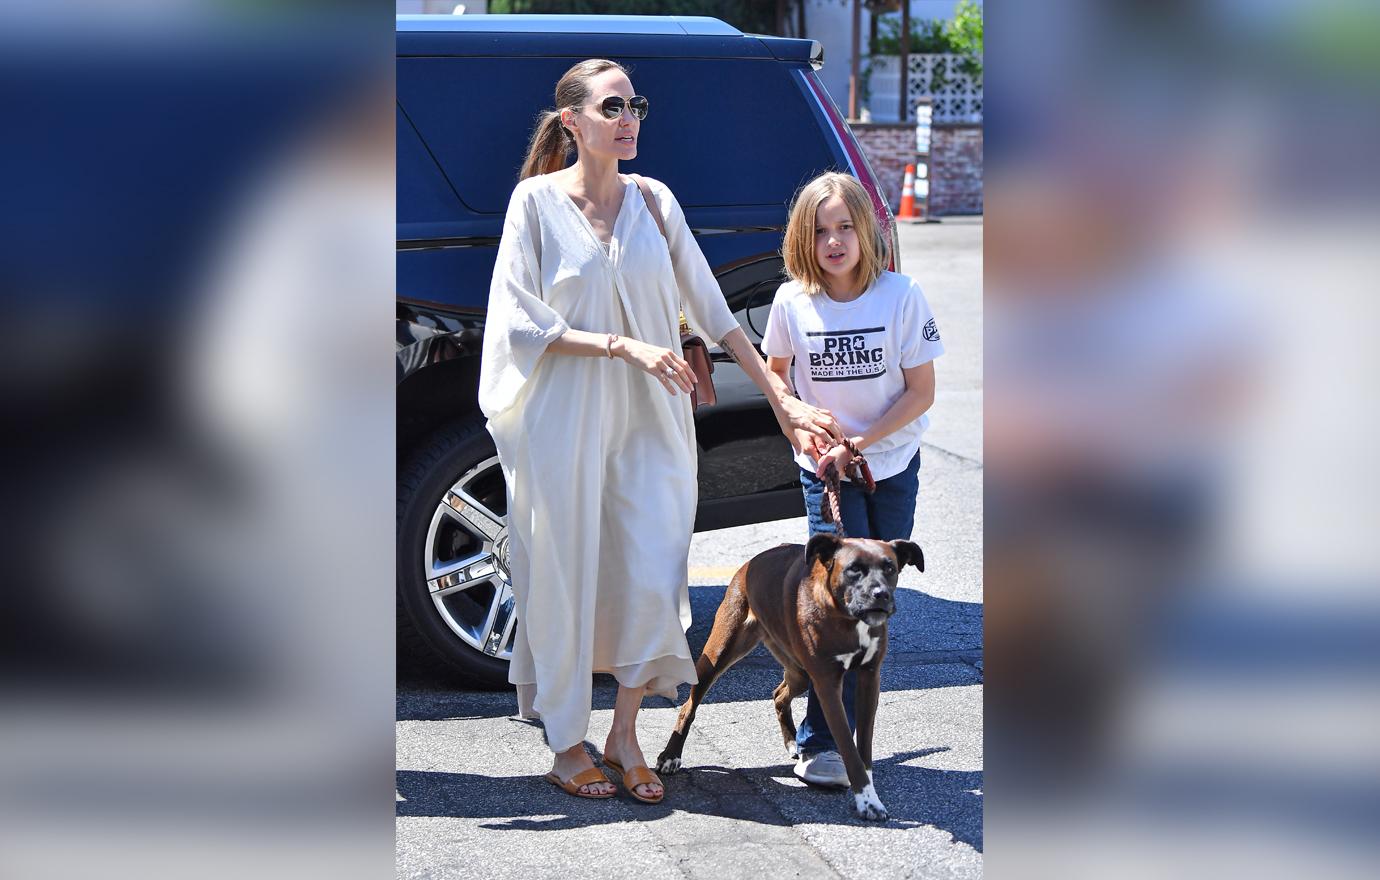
x: 465, y: 560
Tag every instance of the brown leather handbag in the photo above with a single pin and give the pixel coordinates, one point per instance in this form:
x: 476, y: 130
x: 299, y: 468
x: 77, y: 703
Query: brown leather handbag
x: 692, y: 347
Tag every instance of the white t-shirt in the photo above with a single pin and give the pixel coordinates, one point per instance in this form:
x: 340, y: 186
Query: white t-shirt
x: 849, y: 357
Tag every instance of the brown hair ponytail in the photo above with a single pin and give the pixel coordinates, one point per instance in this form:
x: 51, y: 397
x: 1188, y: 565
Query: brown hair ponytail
x: 552, y: 143
x: 550, y: 146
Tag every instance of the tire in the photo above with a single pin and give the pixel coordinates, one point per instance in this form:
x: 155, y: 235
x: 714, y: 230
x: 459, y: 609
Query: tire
x: 456, y: 613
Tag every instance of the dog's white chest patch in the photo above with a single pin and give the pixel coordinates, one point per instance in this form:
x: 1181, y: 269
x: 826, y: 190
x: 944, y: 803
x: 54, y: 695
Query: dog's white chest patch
x: 866, y: 643
x: 867, y: 646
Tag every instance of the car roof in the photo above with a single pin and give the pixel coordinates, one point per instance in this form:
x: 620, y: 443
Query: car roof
x: 696, y: 25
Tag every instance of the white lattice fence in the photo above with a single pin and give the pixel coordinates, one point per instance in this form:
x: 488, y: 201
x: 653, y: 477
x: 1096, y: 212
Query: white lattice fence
x: 957, y: 96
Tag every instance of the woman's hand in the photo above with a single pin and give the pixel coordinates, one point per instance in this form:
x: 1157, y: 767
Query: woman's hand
x: 811, y: 444
x: 672, y: 370
x: 819, y: 423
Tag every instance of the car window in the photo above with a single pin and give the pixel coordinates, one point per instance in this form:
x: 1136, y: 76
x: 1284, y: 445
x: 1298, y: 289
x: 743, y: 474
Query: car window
x: 720, y: 132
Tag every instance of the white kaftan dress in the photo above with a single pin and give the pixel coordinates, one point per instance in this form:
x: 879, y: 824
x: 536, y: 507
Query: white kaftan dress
x: 599, y: 458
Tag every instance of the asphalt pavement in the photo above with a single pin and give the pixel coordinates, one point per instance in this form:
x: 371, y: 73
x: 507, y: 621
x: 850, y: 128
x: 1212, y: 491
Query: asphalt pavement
x: 471, y: 801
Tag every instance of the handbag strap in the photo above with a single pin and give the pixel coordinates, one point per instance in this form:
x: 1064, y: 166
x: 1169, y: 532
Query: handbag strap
x: 651, y: 205
x: 661, y: 225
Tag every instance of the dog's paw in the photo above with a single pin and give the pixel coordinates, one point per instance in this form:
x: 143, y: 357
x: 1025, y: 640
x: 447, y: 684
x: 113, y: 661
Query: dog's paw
x: 793, y: 750
x: 667, y: 765
x: 868, y: 806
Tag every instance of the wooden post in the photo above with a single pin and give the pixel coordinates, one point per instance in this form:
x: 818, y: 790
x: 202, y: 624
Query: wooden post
x: 800, y: 18
x: 905, y: 61
x: 854, y: 66
x: 781, y: 18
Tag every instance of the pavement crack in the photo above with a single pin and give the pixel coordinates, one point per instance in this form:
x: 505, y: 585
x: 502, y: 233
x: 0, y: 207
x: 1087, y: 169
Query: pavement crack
x: 974, y: 462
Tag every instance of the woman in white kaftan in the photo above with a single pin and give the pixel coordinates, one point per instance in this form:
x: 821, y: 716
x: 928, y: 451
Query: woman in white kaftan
x: 584, y: 390
x: 600, y: 460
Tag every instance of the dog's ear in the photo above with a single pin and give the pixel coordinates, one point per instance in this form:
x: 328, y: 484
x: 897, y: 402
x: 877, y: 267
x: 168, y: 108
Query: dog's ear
x: 908, y: 553
x: 822, y: 547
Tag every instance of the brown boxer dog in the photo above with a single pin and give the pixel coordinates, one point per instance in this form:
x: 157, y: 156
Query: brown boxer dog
x: 822, y: 609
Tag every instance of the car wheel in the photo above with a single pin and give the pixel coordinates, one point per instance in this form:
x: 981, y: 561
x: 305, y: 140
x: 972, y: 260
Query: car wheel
x: 456, y: 612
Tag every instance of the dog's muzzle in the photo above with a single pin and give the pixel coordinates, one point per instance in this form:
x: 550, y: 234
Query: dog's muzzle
x: 874, y: 613
x: 875, y: 616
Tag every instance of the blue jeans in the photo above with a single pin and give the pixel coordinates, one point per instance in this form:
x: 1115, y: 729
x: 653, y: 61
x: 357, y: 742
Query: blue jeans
x: 887, y: 515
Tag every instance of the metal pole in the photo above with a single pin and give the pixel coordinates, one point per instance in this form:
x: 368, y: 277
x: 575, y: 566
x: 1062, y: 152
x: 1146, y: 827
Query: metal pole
x: 853, y: 68
x: 905, y: 61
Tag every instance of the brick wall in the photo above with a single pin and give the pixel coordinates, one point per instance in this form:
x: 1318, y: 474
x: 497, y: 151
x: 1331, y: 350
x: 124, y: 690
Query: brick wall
x: 956, y: 154
x: 956, y: 184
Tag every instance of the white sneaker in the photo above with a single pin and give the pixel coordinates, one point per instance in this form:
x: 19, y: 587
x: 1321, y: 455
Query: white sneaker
x: 825, y: 768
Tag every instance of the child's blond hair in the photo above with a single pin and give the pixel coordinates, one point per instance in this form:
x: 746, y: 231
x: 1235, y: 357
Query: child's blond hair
x: 798, y: 248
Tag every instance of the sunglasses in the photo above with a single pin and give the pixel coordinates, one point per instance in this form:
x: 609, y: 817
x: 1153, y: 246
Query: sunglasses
x: 612, y: 107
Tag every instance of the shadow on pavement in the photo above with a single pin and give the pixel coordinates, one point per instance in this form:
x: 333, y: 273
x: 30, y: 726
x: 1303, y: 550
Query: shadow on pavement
x: 949, y: 800
x: 751, y: 680
x: 929, y: 641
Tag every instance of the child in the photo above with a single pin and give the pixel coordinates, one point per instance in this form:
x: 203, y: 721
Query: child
x: 864, y: 343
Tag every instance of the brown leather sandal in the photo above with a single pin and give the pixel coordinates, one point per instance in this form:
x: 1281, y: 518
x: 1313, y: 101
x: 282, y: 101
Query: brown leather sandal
x: 592, y: 776
x: 635, y: 777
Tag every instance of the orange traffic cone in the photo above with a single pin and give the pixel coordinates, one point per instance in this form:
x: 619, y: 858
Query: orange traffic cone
x: 908, y: 212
